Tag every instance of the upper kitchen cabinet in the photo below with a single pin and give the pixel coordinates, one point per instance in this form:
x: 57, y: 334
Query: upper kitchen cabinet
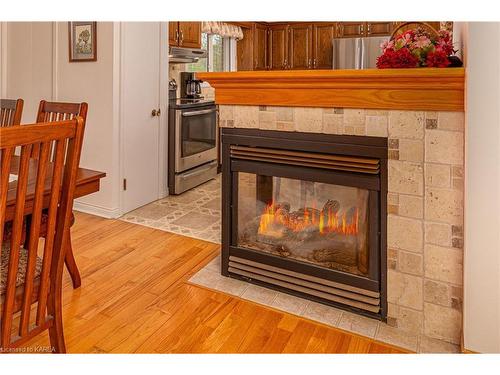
x: 351, y: 29
x: 300, y: 44
x: 260, y: 44
x: 323, y: 34
x: 185, y: 34
x: 379, y: 28
x: 278, y: 47
x: 244, y: 50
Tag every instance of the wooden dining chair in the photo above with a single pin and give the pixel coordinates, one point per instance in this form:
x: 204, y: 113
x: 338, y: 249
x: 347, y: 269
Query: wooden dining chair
x: 11, y: 112
x: 57, y: 111
x: 31, y: 278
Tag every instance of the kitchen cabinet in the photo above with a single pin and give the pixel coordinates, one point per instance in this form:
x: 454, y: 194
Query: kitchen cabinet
x: 351, y: 29
x: 244, y: 50
x: 184, y: 34
x: 300, y: 40
x: 260, y: 51
x: 278, y: 46
x: 378, y: 28
x: 323, y: 34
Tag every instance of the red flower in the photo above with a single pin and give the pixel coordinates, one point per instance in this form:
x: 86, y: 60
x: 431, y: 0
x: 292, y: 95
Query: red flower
x: 402, y: 58
x: 384, y: 61
x: 437, y: 59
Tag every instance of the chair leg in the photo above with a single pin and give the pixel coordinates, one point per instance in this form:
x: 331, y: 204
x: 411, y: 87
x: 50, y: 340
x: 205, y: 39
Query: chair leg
x: 70, y: 262
x: 56, y: 332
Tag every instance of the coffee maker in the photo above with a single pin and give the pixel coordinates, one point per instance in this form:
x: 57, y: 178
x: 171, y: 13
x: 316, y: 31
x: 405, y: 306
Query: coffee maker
x: 190, y: 86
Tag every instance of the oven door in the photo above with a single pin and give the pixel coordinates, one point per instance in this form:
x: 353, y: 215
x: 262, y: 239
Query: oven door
x: 196, y: 137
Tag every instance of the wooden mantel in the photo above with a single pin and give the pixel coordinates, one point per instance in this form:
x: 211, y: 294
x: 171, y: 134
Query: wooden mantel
x: 432, y: 89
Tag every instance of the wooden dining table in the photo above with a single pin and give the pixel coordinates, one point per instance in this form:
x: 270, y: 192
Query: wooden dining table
x: 87, y: 182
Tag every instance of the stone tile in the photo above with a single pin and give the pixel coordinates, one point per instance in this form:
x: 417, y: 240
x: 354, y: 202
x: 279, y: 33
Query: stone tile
x: 285, y: 126
x: 397, y: 337
x: 332, y: 124
x: 451, y: 121
x: 393, y: 154
x: 431, y: 123
x: 226, y: 112
x: 411, y: 150
x: 354, y: 117
x: 405, y: 177
x: 443, y: 264
x: 444, y: 205
x: 282, y: 113
x: 437, y: 175
x: 259, y: 294
x: 442, y: 323
x: 246, y: 116
x: 214, y: 204
x: 410, y: 263
x: 289, y: 303
x: 393, y: 199
x: 393, y: 143
x: 445, y: 147
x: 206, y: 277
x: 376, y: 126
x: 214, y: 265
x: 186, y: 197
x: 267, y: 120
x: 308, y: 119
x: 404, y: 233
x: 406, y: 124
x: 457, y: 231
x: 358, y: 324
x: 411, y: 206
x: 437, y: 293
x: 433, y: 346
x: 408, y: 320
x: 230, y: 286
x: 437, y: 234
x: 150, y: 211
x: 322, y: 313
x: 404, y: 290
x: 376, y: 112
x: 196, y: 220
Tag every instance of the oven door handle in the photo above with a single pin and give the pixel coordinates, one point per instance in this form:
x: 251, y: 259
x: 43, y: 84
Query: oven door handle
x: 195, y: 113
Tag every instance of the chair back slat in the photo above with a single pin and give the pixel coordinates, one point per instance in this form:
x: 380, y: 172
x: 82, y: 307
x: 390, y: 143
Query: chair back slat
x: 58, y: 111
x: 15, y: 244
x: 33, y: 240
x: 10, y: 112
x: 45, y: 288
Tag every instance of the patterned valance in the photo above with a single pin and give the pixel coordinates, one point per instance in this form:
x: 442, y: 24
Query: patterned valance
x: 223, y: 29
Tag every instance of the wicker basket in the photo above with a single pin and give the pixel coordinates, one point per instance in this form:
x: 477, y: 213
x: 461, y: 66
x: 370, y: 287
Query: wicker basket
x: 413, y: 25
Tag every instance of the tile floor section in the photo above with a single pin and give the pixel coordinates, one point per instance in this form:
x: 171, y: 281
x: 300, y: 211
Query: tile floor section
x: 210, y: 277
x: 195, y: 213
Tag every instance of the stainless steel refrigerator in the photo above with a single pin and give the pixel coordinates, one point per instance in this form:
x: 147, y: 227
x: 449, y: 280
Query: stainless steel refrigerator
x: 357, y: 53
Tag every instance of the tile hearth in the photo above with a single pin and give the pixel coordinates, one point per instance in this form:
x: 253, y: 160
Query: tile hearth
x: 210, y: 277
x: 195, y: 213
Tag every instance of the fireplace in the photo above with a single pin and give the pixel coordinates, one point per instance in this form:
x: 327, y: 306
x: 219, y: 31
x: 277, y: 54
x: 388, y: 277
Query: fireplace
x: 306, y: 214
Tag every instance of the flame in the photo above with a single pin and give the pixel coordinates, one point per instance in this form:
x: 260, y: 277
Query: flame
x: 328, y: 222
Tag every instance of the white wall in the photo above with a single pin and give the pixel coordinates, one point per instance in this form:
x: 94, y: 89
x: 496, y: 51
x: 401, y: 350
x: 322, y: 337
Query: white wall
x: 37, y: 67
x: 482, y: 195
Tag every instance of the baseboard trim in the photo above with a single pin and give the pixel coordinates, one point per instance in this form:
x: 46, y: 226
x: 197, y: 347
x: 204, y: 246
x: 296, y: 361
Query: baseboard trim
x: 97, y: 210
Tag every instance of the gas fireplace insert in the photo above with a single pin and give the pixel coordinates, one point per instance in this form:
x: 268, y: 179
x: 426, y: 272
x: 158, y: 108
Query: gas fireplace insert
x: 306, y: 214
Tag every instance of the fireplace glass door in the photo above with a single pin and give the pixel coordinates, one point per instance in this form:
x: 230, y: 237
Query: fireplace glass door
x: 314, y: 222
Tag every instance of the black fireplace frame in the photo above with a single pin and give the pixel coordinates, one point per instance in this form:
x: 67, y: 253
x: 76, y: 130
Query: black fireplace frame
x: 373, y: 147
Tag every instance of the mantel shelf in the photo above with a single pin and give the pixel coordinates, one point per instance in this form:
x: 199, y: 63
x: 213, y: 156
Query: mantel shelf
x: 431, y: 89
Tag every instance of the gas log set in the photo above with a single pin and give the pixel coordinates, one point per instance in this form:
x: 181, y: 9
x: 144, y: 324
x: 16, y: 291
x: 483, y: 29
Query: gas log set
x: 328, y: 236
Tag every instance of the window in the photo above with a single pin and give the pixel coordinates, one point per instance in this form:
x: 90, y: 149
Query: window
x: 221, y: 55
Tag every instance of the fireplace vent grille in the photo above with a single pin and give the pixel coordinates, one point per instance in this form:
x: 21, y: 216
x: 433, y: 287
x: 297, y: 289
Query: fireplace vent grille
x: 328, y: 290
x: 307, y: 159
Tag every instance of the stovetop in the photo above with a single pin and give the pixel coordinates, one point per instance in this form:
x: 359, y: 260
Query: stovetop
x: 189, y: 103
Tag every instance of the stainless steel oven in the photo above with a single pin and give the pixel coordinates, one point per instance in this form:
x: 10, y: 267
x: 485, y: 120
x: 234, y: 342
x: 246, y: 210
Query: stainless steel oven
x: 196, y: 137
x: 193, y: 143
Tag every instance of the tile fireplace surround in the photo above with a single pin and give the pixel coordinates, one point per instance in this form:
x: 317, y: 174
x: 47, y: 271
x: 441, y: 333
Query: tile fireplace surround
x: 425, y: 202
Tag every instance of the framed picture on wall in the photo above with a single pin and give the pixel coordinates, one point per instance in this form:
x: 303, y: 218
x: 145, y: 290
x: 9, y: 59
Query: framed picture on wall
x: 82, y: 41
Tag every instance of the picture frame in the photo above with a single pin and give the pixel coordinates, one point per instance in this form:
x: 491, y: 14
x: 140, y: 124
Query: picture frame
x: 82, y: 38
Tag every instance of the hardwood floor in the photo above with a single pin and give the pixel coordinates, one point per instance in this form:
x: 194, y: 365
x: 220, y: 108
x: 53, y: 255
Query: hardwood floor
x: 135, y: 298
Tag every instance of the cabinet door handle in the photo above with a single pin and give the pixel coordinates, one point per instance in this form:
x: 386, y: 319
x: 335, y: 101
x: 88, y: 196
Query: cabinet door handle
x: 361, y: 29
x: 368, y: 29
x: 182, y: 38
x: 309, y: 63
x: 315, y: 63
x: 177, y: 36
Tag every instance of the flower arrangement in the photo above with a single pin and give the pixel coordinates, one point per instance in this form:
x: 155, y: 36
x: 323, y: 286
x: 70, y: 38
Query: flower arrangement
x: 417, y: 48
